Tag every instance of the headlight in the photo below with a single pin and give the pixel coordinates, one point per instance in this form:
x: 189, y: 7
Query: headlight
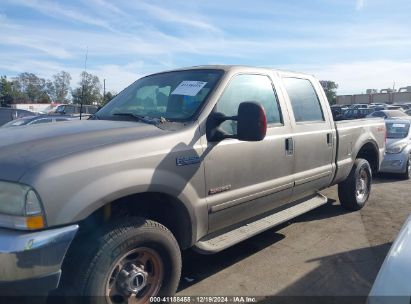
x: 396, y: 149
x: 20, y: 207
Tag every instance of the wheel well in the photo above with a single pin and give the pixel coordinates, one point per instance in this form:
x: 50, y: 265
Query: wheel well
x: 159, y: 207
x: 370, y: 153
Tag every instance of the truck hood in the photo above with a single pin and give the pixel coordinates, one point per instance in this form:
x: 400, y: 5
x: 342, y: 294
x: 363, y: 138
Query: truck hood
x: 22, y: 148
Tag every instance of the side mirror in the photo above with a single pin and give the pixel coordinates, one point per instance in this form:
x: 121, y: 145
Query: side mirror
x: 251, y: 123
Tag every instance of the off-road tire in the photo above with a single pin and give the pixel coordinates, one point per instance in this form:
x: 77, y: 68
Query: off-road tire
x: 351, y: 198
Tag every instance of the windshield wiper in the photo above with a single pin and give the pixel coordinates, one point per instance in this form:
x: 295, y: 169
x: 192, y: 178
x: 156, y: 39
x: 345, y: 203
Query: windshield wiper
x: 144, y: 119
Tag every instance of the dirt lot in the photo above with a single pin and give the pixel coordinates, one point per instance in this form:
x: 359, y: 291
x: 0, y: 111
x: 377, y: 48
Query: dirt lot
x: 327, y: 252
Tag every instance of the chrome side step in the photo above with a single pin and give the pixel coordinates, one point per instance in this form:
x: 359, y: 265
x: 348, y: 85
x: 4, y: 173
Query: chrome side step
x: 212, y: 244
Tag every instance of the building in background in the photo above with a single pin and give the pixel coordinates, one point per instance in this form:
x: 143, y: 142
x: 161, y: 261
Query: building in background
x: 403, y: 95
x: 43, y: 108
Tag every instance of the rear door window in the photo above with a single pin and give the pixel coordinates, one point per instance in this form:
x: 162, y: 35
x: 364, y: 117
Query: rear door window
x: 304, y: 100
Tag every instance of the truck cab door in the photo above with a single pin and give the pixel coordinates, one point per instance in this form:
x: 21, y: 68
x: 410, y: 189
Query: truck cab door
x: 313, y: 136
x: 246, y: 179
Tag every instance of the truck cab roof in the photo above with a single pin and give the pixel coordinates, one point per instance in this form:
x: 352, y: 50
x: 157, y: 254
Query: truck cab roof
x: 237, y: 68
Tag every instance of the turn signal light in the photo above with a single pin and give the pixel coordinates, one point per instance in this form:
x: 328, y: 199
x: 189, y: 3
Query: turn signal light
x: 35, y: 222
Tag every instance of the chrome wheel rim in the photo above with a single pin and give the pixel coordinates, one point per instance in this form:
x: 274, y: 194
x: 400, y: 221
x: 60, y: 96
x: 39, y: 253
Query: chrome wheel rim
x: 362, y: 185
x: 135, y: 277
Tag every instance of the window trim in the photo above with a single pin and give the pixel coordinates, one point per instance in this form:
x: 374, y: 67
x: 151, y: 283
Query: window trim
x: 271, y: 124
x: 318, y: 99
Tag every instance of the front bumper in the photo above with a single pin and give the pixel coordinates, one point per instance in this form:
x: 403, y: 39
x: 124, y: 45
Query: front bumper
x: 394, y: 163
x: 30, y: 262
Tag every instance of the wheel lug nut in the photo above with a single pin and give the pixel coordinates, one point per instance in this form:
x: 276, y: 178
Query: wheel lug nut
x: 124, y: 273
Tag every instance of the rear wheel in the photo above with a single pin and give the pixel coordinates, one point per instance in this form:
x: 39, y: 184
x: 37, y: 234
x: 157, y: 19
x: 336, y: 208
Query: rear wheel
x: 355, y: 190
x: 133, y: 260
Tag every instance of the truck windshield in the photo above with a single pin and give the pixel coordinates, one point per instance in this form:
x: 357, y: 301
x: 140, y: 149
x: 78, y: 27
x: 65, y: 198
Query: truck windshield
x: 397, y: 129
x: 174, y: 96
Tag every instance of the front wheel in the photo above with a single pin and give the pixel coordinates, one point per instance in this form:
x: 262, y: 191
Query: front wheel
x: 134, y: 260
x: 407, y: 173
x: 355, y: 190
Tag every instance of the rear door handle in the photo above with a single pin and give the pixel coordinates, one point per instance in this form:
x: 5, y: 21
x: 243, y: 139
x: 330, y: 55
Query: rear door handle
x: 289, y: 146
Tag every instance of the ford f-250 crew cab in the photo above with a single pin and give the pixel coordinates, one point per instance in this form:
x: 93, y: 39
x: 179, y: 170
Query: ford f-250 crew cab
x: 201, y: 157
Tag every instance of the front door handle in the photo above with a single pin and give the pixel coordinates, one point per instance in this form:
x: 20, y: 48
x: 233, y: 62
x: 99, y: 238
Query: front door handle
x: 330, y: 139
x: 289, y: 146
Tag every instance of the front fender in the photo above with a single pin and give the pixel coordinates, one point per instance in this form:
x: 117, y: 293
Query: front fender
x: 132, y: 182
x: 106, y: 189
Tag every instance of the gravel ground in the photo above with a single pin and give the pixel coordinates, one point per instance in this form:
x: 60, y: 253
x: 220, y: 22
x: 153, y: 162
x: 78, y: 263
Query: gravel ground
x: 326, y: 252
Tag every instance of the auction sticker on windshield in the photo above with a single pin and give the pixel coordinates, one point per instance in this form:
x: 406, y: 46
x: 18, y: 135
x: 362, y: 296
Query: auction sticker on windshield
x: 189, y: 88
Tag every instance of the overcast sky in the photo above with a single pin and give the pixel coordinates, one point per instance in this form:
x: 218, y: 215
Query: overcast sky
x: 359, y: 44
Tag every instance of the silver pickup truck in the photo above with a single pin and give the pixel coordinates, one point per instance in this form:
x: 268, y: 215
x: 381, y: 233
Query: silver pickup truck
x: 202, y: 157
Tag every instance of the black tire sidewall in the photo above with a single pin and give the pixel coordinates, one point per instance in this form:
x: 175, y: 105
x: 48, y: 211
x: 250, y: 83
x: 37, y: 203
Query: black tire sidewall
x: 406, y: 174
x: 154, y: 238
x: 363, y: 164
x: 347, y: 189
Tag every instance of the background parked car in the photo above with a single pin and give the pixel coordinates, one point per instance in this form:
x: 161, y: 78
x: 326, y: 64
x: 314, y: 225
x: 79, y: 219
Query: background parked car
x: 343, y: 107
x: 394, y: 107
x: 389, y: 114
x: 359, y: 106
x: 377, y: 107
x: 379, y: 104
x: 49, y: 110
x: 338, y: 111
x: 8, y: 114
x: 35, y: 120
x: 398, y: 148
x: 392, y: 284
x: 74, y: 110
x: 402, y: 106
x: 357, y: 113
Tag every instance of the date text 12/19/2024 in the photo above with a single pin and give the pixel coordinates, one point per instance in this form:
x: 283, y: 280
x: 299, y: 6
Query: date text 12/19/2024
x: 203, y: 299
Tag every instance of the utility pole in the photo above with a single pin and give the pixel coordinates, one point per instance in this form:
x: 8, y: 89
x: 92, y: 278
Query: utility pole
x: 82, y: 87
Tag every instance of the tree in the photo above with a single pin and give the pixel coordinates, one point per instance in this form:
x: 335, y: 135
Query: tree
x: 27, y: 87
x: 50, y: 89
x: 109, y: 96
x: 6, y: 92
x: 330, y: 89
x: 88, y: 91
x: 61, y: 86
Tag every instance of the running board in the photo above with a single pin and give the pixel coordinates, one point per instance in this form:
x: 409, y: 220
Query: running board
x: 216, y: 243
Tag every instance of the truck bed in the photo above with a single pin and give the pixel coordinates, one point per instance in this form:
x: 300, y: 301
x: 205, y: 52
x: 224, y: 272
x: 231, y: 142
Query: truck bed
x: 351, y: 136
